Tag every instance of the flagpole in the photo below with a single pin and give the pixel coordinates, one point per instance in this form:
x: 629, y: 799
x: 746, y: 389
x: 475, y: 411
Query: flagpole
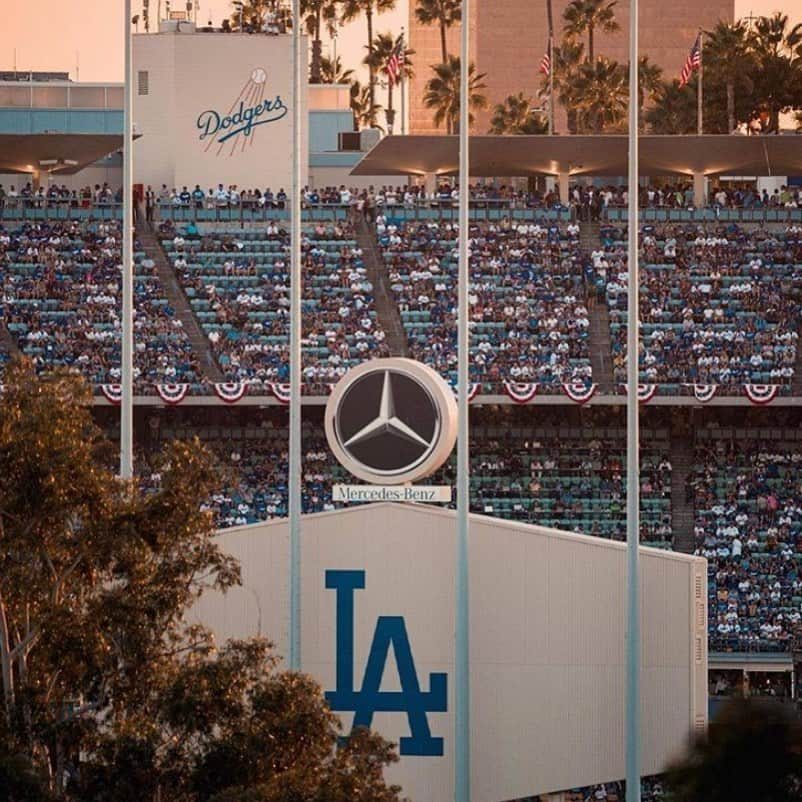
x: 127, y: 276
x: 403, y: 88
x: 294, y: 477
x: 462, y: 654
x: 699, y: 112
x: 633, y: 625
x: 551, y: 68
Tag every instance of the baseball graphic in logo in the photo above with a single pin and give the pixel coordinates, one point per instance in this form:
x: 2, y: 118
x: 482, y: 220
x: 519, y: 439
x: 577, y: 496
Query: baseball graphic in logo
x: 391, y: 421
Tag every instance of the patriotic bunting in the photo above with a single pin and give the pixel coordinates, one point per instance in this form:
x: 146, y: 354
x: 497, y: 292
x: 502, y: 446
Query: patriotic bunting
x: 473, y: 390
x: 112, y: 392
x: 761, y: 393
x: 230, y: 392
x: 281, y: 392
x: 521, y: 392
x: 704, y: 392
x: 579, y: 392
x: 172, y: 393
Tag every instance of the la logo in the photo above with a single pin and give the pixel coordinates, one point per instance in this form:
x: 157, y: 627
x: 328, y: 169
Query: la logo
x: 370, y: 699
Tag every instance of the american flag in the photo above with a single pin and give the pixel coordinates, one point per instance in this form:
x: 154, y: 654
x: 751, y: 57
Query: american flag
x: 693, y: 62
x: 395, y: 63
x: 545, y: 63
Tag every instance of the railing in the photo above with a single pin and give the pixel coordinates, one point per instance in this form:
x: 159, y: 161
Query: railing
x: 709, y: 214
x: 25, y: 209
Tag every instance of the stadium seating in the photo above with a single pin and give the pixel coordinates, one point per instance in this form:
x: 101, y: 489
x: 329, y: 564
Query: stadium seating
x: 528, y: 316
x: 237, y: 282
x: 716, y: 305
x: 61, y: 300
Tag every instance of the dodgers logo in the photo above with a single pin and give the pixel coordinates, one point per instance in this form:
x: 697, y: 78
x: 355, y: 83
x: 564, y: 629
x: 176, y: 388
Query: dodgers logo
x: 250, y: 109
x: 369, y: 699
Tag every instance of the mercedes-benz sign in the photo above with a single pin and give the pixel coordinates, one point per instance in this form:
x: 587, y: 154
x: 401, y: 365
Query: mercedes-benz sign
x: 391, y: 421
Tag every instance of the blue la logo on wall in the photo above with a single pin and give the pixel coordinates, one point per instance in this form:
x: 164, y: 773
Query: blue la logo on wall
x: 370, y: 699
x: 249, y: 110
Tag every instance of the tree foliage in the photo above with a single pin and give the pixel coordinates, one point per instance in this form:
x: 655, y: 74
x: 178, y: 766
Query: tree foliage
x: 444, y: 14
x: 588, y: 16
x: 106, y: 694
x: 518, y: 115
x: 443, y: 97
x: 319, y: 15
x: 752, y: 750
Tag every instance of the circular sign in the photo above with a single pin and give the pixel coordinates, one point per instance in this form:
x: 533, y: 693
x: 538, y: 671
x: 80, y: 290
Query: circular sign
x: 391, y: 421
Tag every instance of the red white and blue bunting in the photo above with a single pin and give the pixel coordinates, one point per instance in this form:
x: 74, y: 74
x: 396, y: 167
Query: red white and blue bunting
x: 704, y: 392
x: 761, y: 394
x: 230, y: 392
x: 113, y: 393
x: 579, y: 392
x: 473, y: 390
x: 521, y: 392
x: 172, y: 393
x: 646, y: 392
x: 281, y: 392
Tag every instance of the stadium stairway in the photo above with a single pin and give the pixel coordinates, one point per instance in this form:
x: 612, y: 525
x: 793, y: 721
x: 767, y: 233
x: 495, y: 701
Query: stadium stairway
x: 682, y: 518
x: 180, y: 303
x: 7, y: 341
x: 386, y: 309
x: 599, y: 343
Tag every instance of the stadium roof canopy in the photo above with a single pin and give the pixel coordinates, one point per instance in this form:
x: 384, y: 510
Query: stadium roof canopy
x: 54, y: 153
x: 585, y: 155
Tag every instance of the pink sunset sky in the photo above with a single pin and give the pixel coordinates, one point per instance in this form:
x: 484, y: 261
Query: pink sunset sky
x: 87, y: 34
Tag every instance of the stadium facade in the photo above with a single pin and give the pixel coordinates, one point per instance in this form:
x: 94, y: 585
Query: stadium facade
x: 547, y: 642
x: 509, y: 38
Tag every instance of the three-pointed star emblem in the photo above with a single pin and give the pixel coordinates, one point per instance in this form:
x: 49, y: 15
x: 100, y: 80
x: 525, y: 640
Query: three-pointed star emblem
x: 386, y: 422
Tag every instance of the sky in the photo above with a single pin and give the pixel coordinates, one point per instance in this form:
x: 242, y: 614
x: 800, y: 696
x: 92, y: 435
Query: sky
x: 85, y: 36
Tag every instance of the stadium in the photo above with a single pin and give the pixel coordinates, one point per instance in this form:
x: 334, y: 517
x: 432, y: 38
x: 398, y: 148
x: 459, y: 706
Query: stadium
x: 244, y: 175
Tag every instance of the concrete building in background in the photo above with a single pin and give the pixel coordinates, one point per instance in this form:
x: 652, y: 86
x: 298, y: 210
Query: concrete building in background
x: 547, y: 642
x: 509, y: 38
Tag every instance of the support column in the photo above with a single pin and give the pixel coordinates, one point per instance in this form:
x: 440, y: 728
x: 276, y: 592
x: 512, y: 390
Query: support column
x: 564, y: 187
x: 36, y: 179
x: 430, y: 183
x: 699, y: 190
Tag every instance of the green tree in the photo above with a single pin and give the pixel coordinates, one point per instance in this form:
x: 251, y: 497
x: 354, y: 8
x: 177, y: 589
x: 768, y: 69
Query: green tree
x: 365, y: 114
x: 319, y: 14
x: 106, y: 694
x: 674, y: 109
x: 581, y: 16
x: 332, y: 72
x: 752, y: 750
x: 567, y: 58
x: 778, y: 75
x: 379, y: 59
x: 443, y: 13
x: 442, y: 93
x: 602, y: 96
x: 728, y: 64
x: 517, y: 115
x: 649, y: 84
x: 350, y: 10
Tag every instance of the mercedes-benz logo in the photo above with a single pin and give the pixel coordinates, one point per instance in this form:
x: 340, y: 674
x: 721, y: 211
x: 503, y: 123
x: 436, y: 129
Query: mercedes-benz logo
x: 391, y: 420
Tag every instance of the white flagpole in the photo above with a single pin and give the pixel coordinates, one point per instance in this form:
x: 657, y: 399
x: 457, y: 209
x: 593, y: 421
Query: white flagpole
x: 462, y: 663
x: 633, y: 664
x: 699, y: 112
x: 127, y: 277
x: 294, y: 478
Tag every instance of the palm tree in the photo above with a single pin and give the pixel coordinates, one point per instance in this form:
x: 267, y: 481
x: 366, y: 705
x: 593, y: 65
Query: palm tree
x: 589, y: 15
x: 365, y: 115
x: 319, y: 13
x: 444, y: 13
x: 674, y: 109
x: 603, y: 95
x: 517, y: 115
x: 778, y: 75
x: 255, y: 13
x: 567, y: 60
x: 649, y: 83
x: 442, y: 93
x: 351, y: 9
x: 728, y: 62
x: 379, y: 59
x: 332, y: 72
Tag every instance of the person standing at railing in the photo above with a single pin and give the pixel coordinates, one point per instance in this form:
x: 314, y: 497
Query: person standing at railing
x: 150, y: 202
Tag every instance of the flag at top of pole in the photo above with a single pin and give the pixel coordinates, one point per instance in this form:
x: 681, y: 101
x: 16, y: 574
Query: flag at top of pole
x: 395, y: 64
x: 693, y: 62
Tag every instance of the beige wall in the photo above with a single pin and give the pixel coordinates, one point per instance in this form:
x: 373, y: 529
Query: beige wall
x: 512, y: 38
x: 547, y: 639
x: 193, y: 76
